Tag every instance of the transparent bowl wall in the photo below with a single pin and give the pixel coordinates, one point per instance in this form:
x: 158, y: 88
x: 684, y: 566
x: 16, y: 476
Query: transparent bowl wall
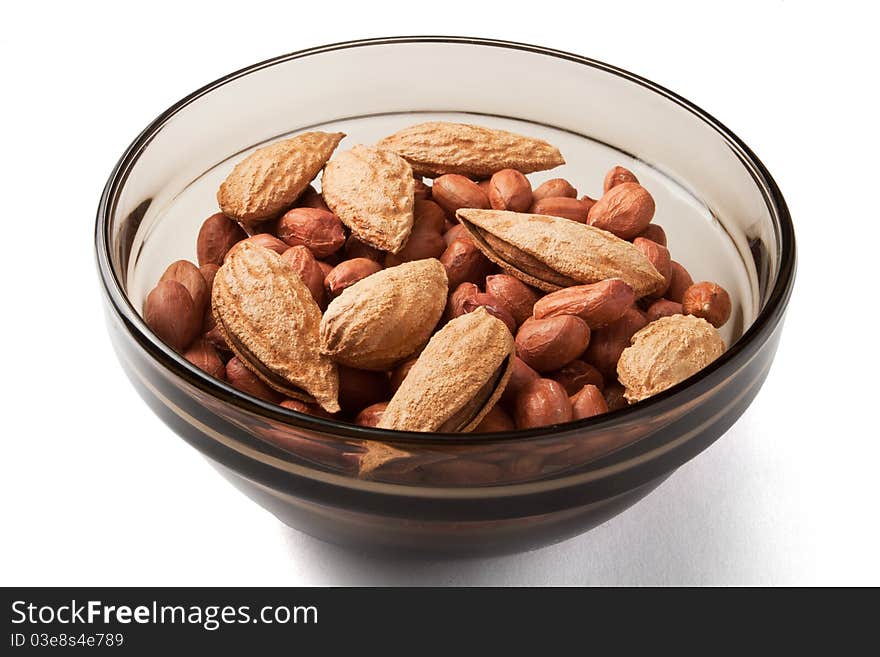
x: 725, y: 219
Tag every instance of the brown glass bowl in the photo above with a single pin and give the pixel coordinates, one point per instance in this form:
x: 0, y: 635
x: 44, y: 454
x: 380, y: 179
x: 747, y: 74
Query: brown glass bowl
x: 462, y: 493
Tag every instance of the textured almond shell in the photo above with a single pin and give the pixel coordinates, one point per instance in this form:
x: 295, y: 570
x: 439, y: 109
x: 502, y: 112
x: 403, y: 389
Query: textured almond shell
x: 270, y: 320
x: 437, y: 148
x: 271, y: 178
x: 580, y: 252
x: 386, y: 316
x: 372, y: 192
x: 666, y: 352
x: 457, y: 363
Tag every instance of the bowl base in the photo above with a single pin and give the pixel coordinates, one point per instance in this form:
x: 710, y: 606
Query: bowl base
x: 411, y: 537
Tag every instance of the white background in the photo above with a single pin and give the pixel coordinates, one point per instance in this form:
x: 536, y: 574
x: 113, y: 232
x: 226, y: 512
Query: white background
x: 95, y: 490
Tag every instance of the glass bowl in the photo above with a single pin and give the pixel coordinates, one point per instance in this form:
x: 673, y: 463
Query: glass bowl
x: 453, y: 493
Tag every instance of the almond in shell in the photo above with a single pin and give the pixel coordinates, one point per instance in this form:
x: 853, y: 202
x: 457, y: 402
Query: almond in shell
x: 438, y: 147
x: 386, y: 317
x: 457, y: 379
x: 666, y: 352
x: 270, y: 179
x: 551, y: 252
x: 269, y: 319
x: 372, y: 192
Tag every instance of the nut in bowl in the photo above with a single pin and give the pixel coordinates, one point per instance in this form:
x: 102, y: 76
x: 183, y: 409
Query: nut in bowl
x: 410, y: 331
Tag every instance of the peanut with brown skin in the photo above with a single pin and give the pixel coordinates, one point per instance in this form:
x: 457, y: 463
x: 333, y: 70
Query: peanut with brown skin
x: 495, y: 420
x: 269, y: 226
x: 424, y: 243
x: 679, y: 281
x: 170, y: 312
x: 556, y: 187
x: 188, y: 275
x: 588, y: 402
x: 663, y: 308
x: 606, y: 344
x: 658, y: 255
x: 371, y: 415
x: 311, y: 199
x: 349, y: 272
x: 562, y: 206
x: 709, y: 301
x: 203, y: 355
x: 576, y: 375
x: 520, y: 375
x: 360, y: 388
x: 427, y: 215
x: 215, y: 337
x: 354, y: 248
x: 456, y: 232
x: 551, y: 343
x: 542, y: 403
x: 209, y: 271
x: 453, y: 192
x: 655, y: 233
x: 326, y: 267
x: 590, y: 202
x: 616, y: 176
x: 598, y: 304
x: 510, y: 190
x: 217, y: 235
x: 614, y: 398
x: 303, y: 262
x: 265, y: 240
x: 492, y: 305
x: 241, y: 378
x: 624, y: 210
x: 455, y: 302
x: 464, y: 262
x: 421, y: 191
x: 518, y: 297
x: 317, y: 229
x: 333, y: 259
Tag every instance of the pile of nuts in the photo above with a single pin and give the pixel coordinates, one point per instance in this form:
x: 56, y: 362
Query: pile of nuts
x: 475, y: 303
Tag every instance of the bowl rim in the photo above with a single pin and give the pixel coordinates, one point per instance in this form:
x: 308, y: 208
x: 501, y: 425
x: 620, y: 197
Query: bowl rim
x: 755, y: 335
